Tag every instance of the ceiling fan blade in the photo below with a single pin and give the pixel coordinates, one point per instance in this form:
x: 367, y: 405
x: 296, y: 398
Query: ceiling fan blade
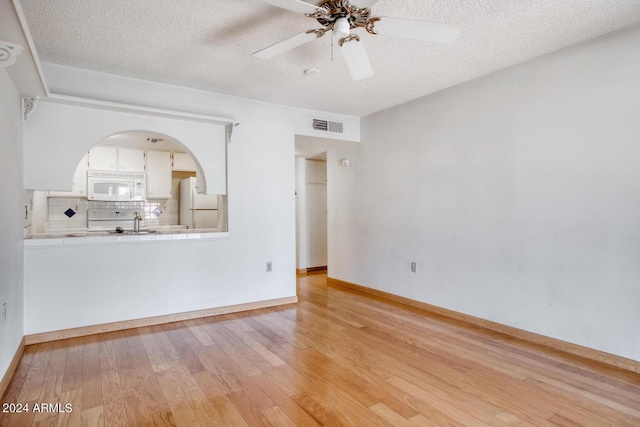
x: 355, y: 55
x: 292, y: 5
x: 417, y: 30
x: 285, y: 45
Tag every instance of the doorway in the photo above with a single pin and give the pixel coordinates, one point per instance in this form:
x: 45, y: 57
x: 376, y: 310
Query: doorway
x: 311, y: 215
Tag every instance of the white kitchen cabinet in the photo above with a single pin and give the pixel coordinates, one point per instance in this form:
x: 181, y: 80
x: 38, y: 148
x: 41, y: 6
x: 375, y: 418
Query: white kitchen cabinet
x: 158, y: 175
x: 79, y: 185
x: 183, y: 162
x: 106, y: 158
x: 103, y: 158
x: 130, y: 160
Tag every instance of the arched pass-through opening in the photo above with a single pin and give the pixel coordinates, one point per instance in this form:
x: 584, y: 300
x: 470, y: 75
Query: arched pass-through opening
x: 128, y: 174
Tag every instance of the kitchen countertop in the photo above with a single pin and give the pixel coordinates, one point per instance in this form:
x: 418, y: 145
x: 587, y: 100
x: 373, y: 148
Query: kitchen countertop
x: 75, y: 237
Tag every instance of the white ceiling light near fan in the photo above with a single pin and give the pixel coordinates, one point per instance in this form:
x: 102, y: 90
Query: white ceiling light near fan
x: 340, y: 17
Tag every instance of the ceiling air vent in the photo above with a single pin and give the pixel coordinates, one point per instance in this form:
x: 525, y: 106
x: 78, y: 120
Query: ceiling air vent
x: 327, y: 126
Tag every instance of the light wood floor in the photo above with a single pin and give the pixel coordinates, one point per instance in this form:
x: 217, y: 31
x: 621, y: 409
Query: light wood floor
x: 335, y: 358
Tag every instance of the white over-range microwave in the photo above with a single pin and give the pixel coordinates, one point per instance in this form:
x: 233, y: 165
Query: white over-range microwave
x: 116, y: 186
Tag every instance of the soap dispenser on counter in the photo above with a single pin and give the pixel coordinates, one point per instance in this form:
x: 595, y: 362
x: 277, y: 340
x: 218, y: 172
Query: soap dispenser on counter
x: 136, y: 222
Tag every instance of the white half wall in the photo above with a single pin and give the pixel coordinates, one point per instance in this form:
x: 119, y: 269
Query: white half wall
x: 11, y: 218
x: 517, y: 195
x: 68, y: 286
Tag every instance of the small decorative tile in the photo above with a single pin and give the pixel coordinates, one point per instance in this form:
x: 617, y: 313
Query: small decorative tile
x: 157, y: 212
x: 69, y: 212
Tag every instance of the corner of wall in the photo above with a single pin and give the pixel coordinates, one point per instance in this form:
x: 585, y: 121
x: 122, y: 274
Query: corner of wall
x: 12, y: 219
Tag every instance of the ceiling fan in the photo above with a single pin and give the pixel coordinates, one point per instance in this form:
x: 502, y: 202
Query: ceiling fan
x: 341, y: 17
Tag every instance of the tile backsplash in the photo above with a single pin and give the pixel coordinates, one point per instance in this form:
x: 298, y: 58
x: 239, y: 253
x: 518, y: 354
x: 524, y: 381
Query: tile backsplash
x: 61, y: 217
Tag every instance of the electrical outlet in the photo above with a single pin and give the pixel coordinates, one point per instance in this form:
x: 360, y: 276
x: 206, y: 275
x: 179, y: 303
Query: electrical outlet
x: 4, y: 312
x: 413, y: 267
x: 269, y: 267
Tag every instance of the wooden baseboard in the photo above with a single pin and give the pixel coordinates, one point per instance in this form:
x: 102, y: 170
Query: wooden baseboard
x: 556, y: 344
x: 150, y: 321
x: 311, y: 270
x: 12, y: 368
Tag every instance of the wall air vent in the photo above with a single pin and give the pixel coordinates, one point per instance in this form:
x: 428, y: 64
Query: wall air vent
x: 322, y: 125
x: 327, y: 126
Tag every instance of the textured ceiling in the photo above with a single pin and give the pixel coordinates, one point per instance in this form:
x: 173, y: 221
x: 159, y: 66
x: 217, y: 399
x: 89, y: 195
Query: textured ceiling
x: 207, y: 44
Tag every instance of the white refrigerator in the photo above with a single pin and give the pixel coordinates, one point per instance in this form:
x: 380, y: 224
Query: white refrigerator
x: 197, y: 211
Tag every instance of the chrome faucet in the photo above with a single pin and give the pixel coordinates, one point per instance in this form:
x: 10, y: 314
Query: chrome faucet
x: 136, y: 222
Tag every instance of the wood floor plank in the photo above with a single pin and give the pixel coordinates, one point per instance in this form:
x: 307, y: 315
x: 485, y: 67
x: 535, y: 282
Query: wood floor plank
x: 138, y: 413
x: 337, y: 358
x: 203, y: 408
x: 227, y: 412
x: 93, y: 416
x: 72, y: 379
x: 157, y: 358
x: 107, y: 353
x: 237, y: 330
x: 391, y: 416
x: 35, y: 376
x: 466, y: 415
x: 165, y: 346
x: 58, y: 358
x: 248, y: 408
x: 163, y: 419
x: 51, y: 393
x: 321, y: 414
x: 186, y: 355
x: 278, y: 418
x: 284, y: 402
x: 113, y: 399
x: 71, y: 418
x: 124, y: 361
x: 197, y: 331
x: 176, y: 398
x: 239, y: 352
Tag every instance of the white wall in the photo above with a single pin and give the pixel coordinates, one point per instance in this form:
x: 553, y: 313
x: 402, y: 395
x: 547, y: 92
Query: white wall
x: 67, y: 286
x: 517, y: 194
x: 107, y: 87
x: 11, y: 218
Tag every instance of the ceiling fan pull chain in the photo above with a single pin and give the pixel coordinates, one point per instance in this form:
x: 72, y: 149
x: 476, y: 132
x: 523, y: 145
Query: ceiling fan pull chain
x: 332, y: 46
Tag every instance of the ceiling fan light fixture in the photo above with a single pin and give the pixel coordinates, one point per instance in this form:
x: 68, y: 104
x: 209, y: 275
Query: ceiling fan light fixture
x: 341, y: 27
x: 340, y: 16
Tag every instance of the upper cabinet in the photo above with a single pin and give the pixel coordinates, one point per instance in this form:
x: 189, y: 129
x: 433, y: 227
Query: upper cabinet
x: 130, y: 160
x: 103, y: 158
x: 106, y: 158
x: 183, y: 162
x: 156, y: 165
x: 158, y: 175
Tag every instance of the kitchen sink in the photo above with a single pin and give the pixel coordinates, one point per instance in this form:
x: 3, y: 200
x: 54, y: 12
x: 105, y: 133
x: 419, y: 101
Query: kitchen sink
x: 132, y: 233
